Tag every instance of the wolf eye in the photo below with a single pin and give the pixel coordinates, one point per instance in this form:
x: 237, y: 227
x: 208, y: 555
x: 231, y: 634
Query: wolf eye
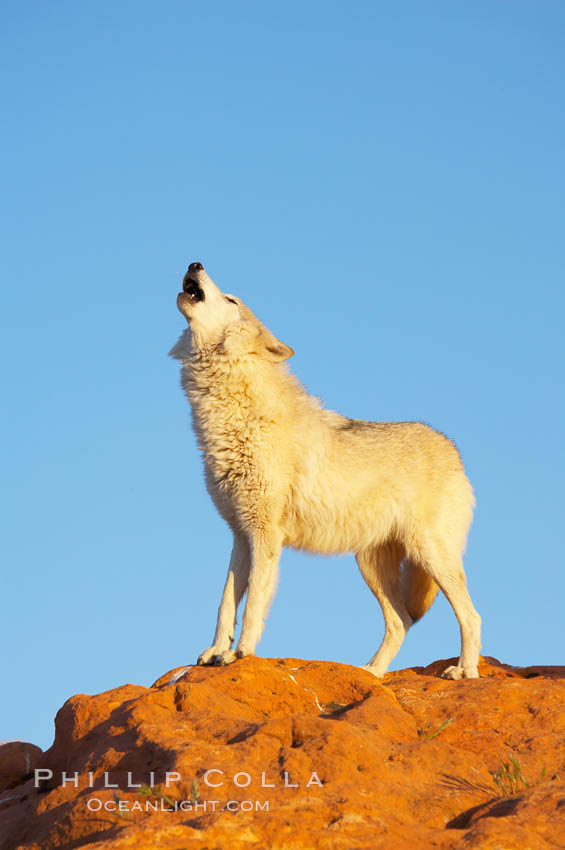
x: 231, y: 300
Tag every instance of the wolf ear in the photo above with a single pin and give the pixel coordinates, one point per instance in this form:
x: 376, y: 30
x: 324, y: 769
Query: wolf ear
x: 271, y: 348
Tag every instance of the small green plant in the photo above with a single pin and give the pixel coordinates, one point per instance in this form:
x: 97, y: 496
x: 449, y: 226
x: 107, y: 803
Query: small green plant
x: 509, y: 777
x: 148, y: 791
x: 195, y: 791
x: 120, y: 814
x: 427, y: 734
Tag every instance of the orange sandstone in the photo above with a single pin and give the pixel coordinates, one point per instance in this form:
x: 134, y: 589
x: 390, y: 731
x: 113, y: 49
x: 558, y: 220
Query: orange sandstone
x: 284, y: 753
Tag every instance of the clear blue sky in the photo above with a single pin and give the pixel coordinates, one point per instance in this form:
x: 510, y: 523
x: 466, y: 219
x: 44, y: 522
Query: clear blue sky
x: 383, y: 183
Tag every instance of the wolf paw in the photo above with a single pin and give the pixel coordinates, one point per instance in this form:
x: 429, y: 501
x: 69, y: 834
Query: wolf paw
x: 455, y: 673
x: 207, y: 657
x: 214, y: 658
x: 224, y: 658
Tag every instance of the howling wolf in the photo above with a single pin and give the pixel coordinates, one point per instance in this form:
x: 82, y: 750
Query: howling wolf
x: 283, y: 471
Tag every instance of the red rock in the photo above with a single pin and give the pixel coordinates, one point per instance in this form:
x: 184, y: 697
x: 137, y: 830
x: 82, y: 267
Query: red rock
x: 404, y: 763
x: 17, y: 760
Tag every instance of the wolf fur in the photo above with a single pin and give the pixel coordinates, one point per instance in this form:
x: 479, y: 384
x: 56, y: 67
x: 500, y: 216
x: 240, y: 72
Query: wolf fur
x: 283, y: 471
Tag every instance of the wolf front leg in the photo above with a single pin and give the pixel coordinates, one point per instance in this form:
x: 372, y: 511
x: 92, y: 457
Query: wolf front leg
x: 265, y: 553
x: 234, y: 588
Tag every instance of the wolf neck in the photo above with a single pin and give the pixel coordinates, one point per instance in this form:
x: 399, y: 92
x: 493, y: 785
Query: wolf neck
x: 209, y: 379
x: 232, y: 399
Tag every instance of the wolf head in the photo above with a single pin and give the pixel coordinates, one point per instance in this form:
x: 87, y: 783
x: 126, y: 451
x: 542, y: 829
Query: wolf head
x: 219, y: 320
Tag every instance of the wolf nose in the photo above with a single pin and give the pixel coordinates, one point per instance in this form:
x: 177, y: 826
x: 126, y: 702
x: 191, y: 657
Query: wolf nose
x: 196, y: 267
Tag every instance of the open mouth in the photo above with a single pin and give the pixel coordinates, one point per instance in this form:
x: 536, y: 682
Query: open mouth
x: 193, y: 289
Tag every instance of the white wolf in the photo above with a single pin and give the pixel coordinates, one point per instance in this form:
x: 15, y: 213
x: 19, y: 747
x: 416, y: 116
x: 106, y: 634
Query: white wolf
x: 282, y: 471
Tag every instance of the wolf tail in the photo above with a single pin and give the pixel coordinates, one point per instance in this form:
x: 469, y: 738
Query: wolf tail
x: 418, y: 589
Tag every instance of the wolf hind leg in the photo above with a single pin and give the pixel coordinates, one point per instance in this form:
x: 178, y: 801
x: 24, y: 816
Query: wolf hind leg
x: 446, y: 569
x: 380, y: 567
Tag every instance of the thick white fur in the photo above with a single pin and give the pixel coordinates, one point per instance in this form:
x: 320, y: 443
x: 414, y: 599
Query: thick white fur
x: 283, y: 471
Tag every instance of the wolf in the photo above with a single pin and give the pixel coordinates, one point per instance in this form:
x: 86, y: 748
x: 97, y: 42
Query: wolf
x: 284, y: 471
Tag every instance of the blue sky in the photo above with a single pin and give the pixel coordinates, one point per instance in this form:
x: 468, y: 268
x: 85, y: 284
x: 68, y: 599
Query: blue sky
x: 383, y: 183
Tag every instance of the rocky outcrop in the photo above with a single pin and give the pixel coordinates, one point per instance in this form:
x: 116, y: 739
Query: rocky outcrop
x: 17, y: 760
x: 284, y: 753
